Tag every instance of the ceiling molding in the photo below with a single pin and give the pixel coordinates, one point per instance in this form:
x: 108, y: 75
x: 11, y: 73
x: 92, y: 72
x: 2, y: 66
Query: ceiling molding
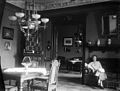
x: 18, y: 3
x: 71, y: 3
x: 42, y: 5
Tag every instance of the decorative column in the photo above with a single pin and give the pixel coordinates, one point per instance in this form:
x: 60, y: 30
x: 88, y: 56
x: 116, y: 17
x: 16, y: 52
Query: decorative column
x: 83, y: 52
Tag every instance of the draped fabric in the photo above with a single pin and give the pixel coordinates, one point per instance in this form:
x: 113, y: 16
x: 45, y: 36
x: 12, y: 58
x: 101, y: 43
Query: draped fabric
x: 2, y: 85
x: 2, y: 6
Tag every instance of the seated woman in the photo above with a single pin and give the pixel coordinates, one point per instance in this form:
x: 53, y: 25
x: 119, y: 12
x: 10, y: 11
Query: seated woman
x: 98, y: 70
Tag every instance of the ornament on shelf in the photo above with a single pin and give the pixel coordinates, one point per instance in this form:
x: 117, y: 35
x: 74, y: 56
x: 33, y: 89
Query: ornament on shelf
x: 109, y: 41
x: 98, y: 42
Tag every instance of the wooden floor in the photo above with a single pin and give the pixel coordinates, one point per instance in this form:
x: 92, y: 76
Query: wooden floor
x: 72, y: 82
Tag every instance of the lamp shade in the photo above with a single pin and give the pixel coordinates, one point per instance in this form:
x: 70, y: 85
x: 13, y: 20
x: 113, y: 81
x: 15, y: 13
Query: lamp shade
x: 37, y: 22
x: 25, y: 27
x: 12, y: 18
x: 36, y: 16
x: 109, y: 41
x: 31, y: 26
x: 26, y: 61
x: 98, y: 42
x: 20, y: 14
x: 44, y: 20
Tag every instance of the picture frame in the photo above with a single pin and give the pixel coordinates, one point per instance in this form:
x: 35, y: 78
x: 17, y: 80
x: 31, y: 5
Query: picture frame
x: 68, y: 41
x: 7, y: 45
x: 7, y: 33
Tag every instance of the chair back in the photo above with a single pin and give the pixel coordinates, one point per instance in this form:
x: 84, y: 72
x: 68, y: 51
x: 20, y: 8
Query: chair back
x: 2, y: 85
x: 53, y: 74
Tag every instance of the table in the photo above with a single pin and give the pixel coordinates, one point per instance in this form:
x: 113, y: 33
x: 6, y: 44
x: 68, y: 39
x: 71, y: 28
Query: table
x: 74, y: 64
x: 22, y: 74
x: 75, y: 61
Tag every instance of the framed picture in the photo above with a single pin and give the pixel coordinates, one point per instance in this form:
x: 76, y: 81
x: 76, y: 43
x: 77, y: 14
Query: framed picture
x: 7, y: 33
x: 68, y: 41
x: 7, y: 45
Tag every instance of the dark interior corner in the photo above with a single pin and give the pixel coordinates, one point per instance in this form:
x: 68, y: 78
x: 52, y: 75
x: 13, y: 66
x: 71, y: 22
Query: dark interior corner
x: 73, y: 35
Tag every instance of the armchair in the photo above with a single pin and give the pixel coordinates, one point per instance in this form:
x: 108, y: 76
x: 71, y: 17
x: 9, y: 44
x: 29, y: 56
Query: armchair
x: 48, y: 82
x: 4, y: 86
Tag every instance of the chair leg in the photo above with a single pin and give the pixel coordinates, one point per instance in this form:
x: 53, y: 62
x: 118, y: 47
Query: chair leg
x: 28, y: 85
x: 54, y: 89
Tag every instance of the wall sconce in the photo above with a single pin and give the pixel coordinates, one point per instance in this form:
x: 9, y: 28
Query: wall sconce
x: 48, y: 46
x: 79, y: 42
x: 78, y: 39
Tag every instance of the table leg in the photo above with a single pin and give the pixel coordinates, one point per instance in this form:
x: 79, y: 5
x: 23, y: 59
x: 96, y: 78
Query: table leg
x: 21, y: 85
x: 28, y: 85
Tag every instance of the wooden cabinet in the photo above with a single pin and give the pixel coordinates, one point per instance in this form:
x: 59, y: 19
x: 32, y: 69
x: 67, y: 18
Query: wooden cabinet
x: 34, y: 48
x: 33, y: 44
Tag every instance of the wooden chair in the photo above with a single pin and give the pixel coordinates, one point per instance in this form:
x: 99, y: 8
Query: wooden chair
x: 10, y: 85
x: 4, y: 86
x: 47, y: 83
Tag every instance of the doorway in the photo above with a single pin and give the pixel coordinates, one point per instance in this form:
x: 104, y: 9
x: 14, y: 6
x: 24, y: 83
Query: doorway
x: 67, y: 32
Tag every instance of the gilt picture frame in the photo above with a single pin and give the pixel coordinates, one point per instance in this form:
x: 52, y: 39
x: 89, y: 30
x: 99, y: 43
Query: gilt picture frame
x: 7, y: 33
x: 68, y: 41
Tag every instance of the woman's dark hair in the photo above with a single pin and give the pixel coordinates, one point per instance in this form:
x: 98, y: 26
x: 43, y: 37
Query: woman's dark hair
x: 93, y: 56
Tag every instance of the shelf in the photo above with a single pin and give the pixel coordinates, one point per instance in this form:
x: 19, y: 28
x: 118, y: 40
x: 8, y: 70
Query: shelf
x: 104, y: 48
x: 32, y: 54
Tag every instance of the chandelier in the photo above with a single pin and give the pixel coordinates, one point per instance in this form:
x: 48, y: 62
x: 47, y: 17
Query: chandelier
x: 29, y: 20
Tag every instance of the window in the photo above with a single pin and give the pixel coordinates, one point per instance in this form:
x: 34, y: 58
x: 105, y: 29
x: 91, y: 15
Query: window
x: 109, y: 25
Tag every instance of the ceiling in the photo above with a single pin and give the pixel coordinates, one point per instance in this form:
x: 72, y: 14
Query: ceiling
x: 53, y: 4
x: 38, y: 3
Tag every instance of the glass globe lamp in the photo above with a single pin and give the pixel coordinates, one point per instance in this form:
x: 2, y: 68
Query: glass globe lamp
x: 26, y: 62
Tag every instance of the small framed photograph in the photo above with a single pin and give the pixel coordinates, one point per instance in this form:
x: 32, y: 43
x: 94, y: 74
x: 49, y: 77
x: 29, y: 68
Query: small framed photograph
x: 7, y: 45
x: 7, y: 33
x: 68, y: 41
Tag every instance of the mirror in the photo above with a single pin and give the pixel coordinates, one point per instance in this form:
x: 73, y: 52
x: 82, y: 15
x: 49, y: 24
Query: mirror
x: 109, y: 26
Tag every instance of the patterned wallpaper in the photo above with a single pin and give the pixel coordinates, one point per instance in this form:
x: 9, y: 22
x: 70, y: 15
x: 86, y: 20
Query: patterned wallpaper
x: 54, y: 4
